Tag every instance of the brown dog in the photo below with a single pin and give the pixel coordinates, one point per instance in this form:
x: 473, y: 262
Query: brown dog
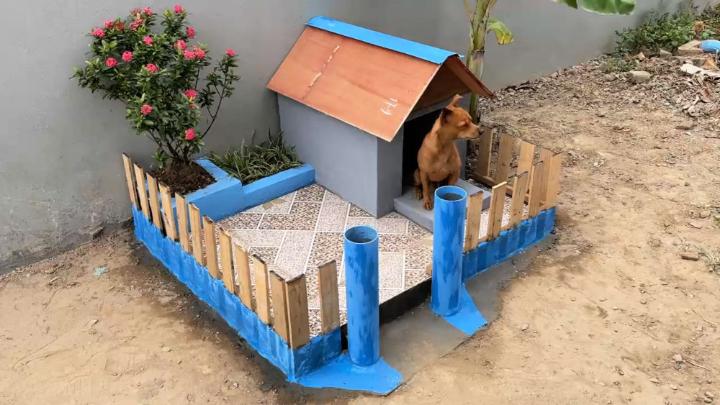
x: 438, y: 158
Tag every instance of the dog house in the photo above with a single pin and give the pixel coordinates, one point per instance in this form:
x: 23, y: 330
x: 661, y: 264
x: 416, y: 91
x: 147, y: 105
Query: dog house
x: 357, y: 103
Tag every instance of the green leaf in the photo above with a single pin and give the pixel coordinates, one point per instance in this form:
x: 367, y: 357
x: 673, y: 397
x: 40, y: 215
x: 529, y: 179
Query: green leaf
x: 502, y: 32
x: 602, y: 6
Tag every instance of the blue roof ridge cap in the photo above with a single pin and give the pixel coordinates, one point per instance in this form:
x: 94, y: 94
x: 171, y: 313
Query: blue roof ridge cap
x: 397, y: 44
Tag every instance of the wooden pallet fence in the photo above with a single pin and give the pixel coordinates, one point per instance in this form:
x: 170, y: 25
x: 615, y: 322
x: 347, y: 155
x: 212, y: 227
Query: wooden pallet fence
x: 280, y: 303
x: 511, y: 149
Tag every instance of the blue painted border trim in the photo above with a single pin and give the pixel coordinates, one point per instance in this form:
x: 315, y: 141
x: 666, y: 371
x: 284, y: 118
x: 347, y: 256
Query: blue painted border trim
x: 397, y: 44
x: 510, y: 243
x: 261, y: 337
x: 228, y: 196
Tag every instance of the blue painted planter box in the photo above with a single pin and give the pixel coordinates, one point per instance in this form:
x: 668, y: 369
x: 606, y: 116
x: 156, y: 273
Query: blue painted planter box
x: 228, y: 196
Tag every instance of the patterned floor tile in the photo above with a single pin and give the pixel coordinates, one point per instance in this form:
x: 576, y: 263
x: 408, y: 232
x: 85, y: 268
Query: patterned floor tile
x: 257, y: 237
x: 266, y: 254
x: 294, y: 251
x: 313, y: 193
x: 326, y: 247
x: 302, y: 216
x: 414, y: 277
x: 393, y: 270
x: 241, y: 221
x: 357, y: 221
x: 392, y: 225
x: 332, y: 217
x: 356, y: 211
x: 331, y: 197
x: 280, y: 205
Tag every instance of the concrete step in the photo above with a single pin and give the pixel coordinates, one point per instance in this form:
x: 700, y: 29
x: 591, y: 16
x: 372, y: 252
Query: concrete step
x: 408, y: 205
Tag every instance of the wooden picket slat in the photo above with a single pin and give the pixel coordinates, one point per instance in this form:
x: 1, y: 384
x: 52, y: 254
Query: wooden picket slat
x: 210, y: 247
x: 196, y: 234
x: 228, y: 273
x: 168, y: 213
x: 537, y: 191
x: 472, y: 226
x: 329, y: 303
x: 484, y: 149
x: 154, y: 202
x: 553, y: 181
x: 497, y: 203
x: 242, y: 269
x: 181, y: 208
x: 505, y: 155
x: 298, y: 318
x: 517, y: 203
x: 262, y: 299
x: 525, y: 157
x: 130, y: 179
x: 142, y: 191
x: 280, y: 307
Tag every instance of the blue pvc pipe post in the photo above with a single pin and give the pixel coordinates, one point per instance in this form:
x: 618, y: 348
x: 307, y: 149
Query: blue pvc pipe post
x: 363, y: 295
x: 448, y: 227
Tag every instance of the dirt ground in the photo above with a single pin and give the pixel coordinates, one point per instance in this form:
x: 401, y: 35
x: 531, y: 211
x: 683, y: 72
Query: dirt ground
x: 610, y: 315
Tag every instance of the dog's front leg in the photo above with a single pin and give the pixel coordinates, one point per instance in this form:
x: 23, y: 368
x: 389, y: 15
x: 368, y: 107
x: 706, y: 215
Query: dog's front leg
x: 427, y: 193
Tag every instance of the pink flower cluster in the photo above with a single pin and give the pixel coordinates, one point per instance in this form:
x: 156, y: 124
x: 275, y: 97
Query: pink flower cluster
x: 146, y: 109
x: 98, y: 33
x: 180, y: 45
x: 178, y: 9
x: 127, y: 56
x: 196, y: 53
x: 148, y: 40
x: 190, y: 134
x: 190, y: 32
x: 152, y: 68
x: 111, y: 62
x: 230, y: 52
x: 191, y: 94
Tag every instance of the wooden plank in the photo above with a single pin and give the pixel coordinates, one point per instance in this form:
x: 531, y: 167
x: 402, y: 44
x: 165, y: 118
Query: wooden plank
x: 329, y: 303
x: 228, y: 273
x: 497, y: 203
x: 262, y: 300
x: 210, y: 247
x: 525, y: 157
x: 242, y: 269
x: 537, y: 191
x: 279, y: 304
x: 142, y: 191
x: 298, y: 319
x: 484, y: 149
x: 154, y: 202
x: 472, y: 227
x: 505, y: 155
x: 553, y: 181
x: 168, y: 213
x: 196, y: 234
x: 130, y: 179
x: 517, y: 203
x: 181, y: 208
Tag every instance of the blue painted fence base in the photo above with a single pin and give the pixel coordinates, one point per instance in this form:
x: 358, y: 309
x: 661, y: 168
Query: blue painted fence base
x: 342, y: 373
x: 261, y: 337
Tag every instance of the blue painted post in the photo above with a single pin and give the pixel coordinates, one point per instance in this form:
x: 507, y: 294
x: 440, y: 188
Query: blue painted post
x: 362, y: 295
x: 449, y: 221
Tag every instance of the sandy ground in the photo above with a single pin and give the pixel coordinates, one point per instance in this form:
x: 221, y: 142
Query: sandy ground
x: 610, y: 315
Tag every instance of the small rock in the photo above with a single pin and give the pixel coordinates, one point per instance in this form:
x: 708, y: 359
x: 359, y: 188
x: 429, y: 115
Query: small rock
x: 664, y: 54
x: 166, y: 349
x: 695, y: 224
x: 639, y: 76
x: 524, y: 327
x: 654, y: 380
x: 643, y: 301
x: 685, y: 126
x: 677, y: 358
x: 709, y: 394
x: 673, y: 387
x: 692, y: 256
x: 687, y: 183
x: 704, y: 214
x: 92, y: 323
x: 708, y: 400
x: 640, y: 56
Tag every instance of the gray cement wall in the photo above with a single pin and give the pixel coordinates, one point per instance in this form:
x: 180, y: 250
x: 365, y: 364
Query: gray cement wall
x: 60, y: 168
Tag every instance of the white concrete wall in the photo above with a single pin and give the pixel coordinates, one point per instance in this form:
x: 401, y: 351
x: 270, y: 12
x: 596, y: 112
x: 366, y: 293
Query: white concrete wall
x: 60, y: 170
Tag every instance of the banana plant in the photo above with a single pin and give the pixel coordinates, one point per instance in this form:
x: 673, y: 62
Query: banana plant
x: 481, y: 23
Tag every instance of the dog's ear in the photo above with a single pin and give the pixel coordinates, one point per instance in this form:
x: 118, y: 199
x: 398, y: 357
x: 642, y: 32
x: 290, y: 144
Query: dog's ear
x: 445, y: 115
x: 455, y: 100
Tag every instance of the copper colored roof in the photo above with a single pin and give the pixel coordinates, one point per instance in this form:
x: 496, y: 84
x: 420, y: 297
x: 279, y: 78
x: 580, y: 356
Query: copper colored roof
x: 365, y: 85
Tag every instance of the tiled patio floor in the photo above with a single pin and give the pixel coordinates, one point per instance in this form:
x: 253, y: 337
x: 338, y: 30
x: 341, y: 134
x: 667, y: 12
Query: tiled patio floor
x: 302, y: 230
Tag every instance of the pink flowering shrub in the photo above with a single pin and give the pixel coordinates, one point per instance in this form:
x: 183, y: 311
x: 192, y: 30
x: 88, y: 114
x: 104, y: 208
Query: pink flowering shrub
x: 169, y: 84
